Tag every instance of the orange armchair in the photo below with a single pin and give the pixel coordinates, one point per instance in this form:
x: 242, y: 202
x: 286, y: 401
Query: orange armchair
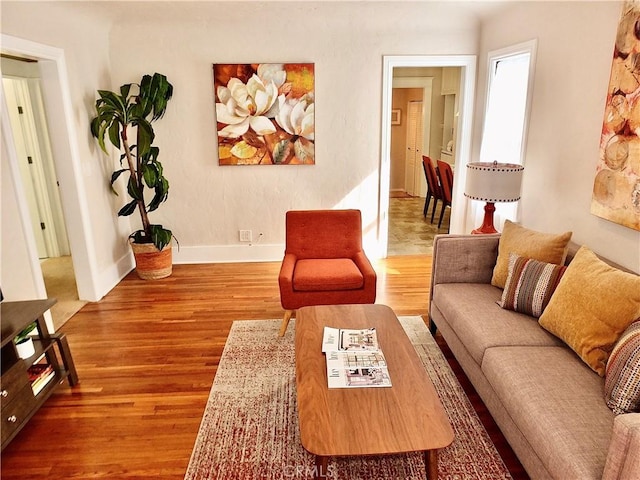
x: 324, y: 263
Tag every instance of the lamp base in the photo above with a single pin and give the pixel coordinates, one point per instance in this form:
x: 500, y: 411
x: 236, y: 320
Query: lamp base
x: 487, y: 223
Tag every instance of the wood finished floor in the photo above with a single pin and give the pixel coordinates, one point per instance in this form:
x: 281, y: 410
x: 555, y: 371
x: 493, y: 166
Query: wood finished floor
x: 147, y: 355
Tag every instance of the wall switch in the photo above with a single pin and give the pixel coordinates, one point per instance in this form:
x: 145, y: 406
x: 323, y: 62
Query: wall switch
x: 245, y: 235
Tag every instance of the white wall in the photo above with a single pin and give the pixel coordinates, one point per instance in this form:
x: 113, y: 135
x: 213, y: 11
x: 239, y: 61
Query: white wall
x: 575, y: 45
x: 208, y: 204
x: 107, y: 44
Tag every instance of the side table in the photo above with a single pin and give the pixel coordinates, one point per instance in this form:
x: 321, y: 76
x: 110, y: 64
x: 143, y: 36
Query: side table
x: 27, y: 383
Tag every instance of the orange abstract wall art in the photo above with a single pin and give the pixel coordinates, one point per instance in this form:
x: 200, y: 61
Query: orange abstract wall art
x: 616, y: 190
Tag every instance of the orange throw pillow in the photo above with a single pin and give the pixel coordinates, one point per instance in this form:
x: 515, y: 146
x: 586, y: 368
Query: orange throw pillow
x: 593, y: 304
x: 544, y: 247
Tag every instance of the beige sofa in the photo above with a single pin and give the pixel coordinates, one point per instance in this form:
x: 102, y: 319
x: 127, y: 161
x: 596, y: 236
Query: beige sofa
x: 547, y: 402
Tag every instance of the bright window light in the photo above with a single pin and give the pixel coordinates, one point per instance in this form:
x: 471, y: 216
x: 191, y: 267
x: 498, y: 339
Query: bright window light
x: 510, y: 73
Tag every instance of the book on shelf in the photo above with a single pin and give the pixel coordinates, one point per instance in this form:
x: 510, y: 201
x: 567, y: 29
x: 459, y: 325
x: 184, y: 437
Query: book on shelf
x: 354, y: 359
x: 40, y: 374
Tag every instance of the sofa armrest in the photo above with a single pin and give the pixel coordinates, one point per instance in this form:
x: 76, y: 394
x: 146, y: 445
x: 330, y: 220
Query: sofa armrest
x: 623, y: 459
x: 463, y: 259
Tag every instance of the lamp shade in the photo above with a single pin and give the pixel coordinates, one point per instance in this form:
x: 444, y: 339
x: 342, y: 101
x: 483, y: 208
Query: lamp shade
x: 493, y: 182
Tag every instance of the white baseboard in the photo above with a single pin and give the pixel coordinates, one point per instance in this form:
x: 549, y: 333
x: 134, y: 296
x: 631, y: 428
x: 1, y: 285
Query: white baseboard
x: 228, y: 254
x: 111, y: 276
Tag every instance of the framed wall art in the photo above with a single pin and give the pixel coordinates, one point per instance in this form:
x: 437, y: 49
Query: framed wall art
x: 396, y: 116
x: 616, y: 188
x: 265, y: 113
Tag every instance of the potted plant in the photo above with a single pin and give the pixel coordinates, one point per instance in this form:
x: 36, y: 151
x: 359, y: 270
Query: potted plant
x: 119, y: 115
x: 24, y: 342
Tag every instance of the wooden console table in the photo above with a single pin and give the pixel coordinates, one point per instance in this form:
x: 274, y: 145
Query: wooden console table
x: 20, y: 395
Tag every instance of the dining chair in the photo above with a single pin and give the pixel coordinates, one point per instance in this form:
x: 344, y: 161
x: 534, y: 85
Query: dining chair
x: 433, y: 186
x: 445, y: 174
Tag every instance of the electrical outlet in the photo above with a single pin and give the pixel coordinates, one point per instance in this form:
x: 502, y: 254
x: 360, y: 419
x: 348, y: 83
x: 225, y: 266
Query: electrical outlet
x: 245, y: 235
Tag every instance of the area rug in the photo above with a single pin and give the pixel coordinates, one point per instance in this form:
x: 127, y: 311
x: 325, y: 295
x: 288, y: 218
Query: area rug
x: 250, y: 424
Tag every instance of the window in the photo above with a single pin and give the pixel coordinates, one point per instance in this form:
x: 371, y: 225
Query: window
x: 510, y: 78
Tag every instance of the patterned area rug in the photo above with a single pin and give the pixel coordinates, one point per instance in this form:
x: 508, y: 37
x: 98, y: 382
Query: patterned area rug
x: 250, y: 424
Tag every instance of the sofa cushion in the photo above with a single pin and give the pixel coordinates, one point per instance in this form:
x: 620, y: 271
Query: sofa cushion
x: 317, y: 275
x: 472, y: 311
x: 556, y: 401
x: 530, y: 285
x: 622, y: 376
x: 545, y: 247
x: 593, y: 304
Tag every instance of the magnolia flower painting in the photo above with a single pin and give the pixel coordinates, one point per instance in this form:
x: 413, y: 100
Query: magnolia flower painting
x: 265, y: 113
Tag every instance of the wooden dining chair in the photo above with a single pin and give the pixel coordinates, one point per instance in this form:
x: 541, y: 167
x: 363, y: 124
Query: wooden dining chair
x: 433, y: 186
x: 445, y: 174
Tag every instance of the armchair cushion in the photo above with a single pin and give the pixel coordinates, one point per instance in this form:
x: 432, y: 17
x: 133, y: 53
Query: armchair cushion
x: 322, y: 274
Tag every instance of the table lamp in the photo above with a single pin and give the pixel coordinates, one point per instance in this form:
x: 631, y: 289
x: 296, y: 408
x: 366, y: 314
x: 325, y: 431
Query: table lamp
x: 491, y: 183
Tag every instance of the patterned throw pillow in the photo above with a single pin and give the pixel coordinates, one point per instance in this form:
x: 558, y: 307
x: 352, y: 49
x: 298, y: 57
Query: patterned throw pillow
x: 622, y: 377
x: 530, y: 284
x: 544, y: 247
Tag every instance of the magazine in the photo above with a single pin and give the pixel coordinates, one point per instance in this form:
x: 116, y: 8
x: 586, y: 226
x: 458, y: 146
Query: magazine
x: 354, y: 359
x: 342, y: 339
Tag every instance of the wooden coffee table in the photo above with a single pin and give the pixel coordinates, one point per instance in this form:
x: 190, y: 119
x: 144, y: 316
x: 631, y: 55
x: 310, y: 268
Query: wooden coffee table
x: 405, y: 417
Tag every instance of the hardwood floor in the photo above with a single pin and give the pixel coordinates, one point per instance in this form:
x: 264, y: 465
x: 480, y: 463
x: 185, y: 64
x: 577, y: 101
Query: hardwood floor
x: 146, y: 356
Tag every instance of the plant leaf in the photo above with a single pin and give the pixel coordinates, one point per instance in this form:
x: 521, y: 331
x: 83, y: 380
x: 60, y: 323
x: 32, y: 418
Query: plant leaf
x: 145, y: 136
x: 150, y: 175
x: 124, y: 90
x: 160, y: 236
x: 114, y: 177
x: 161, y: 194
x: 134, y: 190
x: 128, y: 209
x: 114, y: 134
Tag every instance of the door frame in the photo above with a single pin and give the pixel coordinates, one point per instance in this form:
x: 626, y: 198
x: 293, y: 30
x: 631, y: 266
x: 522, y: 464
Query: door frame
x: 60, y: 116
x: 458, y: 223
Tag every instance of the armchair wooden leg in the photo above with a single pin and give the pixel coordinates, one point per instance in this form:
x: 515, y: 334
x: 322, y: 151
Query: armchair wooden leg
x: 285, y: 322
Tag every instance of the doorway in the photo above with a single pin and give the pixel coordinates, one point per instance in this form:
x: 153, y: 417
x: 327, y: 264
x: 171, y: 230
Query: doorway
x: 22, y: 272
x: 447, y: 137
x: 30, y: 135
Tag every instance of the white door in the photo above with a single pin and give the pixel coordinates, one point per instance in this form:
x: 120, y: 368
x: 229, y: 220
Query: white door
x: 36, y: 167
x: 413, y: 162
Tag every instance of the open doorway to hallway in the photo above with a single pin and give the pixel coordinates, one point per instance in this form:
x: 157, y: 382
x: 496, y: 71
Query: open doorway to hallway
x: 424, y: 122
x: 26, y: 112
x: 461, y: 147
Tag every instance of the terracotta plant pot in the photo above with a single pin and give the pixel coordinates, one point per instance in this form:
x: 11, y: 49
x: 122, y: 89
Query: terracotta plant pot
x: 152, y: 264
